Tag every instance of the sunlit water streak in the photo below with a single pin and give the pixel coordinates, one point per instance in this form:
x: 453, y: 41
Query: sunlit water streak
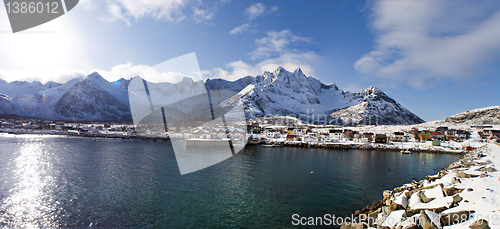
x: 50, y: 181
x: 32, y: 201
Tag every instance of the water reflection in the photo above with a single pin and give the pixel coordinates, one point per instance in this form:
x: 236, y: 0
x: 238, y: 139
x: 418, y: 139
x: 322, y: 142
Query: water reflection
x: 31, y: 201
x: 50, y: 182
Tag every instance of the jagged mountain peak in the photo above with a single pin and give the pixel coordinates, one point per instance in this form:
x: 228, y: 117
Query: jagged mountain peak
x: 371, y: 89
x: 95, y: 76
x: 279, y: 70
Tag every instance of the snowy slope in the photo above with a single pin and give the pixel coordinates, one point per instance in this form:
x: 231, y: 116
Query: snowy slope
x: 6, y: 106
x: 93, y: 98
x: 283, y: 93
x: 238, y: 85
x: 487, y: 115
x: 41, y: 104
x: 17, y: 88
x: 376, y: 108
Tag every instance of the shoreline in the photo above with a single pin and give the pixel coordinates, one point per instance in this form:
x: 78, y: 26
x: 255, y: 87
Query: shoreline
x: 463, y: 195
x: 86, y: 135
x: 371, y: 146
x: 339, y: 146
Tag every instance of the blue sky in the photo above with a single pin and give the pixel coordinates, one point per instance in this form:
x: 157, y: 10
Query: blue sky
x: 437, y: 58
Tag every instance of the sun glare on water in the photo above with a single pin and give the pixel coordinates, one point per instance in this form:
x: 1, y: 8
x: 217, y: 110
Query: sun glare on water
x: 31, y: 203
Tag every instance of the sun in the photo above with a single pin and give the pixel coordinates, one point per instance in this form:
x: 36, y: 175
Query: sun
x: 55, y: 44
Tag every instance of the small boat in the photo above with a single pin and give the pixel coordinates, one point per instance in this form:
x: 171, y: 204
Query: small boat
x: 405, y: 152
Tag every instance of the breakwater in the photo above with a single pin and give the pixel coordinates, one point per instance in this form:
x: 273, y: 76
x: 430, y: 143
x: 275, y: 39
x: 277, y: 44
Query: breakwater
x: 462, y: 193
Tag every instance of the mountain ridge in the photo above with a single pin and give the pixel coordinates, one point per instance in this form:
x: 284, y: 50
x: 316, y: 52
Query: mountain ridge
x: 277, y: 93
x: 486, y: 115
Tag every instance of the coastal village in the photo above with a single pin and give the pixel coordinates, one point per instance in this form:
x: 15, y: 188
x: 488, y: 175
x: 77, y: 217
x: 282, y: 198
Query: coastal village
x: 439, y: 138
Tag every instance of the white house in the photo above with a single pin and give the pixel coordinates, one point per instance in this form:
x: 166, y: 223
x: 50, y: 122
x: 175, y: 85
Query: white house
x: 309, y: 138
x: 335, y: 134
x: 203, y: 134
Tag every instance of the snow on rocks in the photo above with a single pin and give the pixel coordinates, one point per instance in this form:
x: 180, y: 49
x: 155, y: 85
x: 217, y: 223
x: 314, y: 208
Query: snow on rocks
x: 464, y: 195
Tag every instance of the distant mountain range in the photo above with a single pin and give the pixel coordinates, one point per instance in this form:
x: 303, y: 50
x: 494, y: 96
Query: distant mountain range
x: 278, y: 93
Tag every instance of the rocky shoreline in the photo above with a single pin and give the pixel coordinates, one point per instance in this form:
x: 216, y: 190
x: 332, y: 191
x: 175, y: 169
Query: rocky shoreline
x: 373, y: 146
x: 459, y: 196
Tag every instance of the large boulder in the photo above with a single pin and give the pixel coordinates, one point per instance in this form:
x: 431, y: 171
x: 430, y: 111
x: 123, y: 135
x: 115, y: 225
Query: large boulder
x: 387, y: 194
x: 454, y: 217
x: 480, y: 224
x: 437, y: 205
x: 414, y: 199
x: 450, y: 191
x: 436, y: 192
x: 455, y: 180
x: 424, y: 198
x: 394, y: 218
x: 429, y: 220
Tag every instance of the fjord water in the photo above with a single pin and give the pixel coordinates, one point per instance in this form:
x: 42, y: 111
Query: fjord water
x: 53, y: 181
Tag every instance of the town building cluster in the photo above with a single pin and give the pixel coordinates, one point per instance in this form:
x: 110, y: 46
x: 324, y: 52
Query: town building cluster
x: 297, y: 132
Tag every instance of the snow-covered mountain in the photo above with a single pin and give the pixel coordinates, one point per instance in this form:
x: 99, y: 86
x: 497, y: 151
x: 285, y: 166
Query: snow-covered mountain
x: 91, y: 98
x: 17, y: 88
x: 487, y: 115
x: 278, y: 93
x: 283, y: 93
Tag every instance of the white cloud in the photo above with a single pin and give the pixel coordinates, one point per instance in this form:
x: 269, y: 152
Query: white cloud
x: 126, y: 71
x: 240, y: 29
x: 169, y: 10
x: 272, y: 51
x: 87, y: 4
x: 418, y: 42
x: 276, y: 43
x: 172, y: 71
x: 149, y: 73
x: 254, y: 11
x: 203, y: 15
x: 42, y: 75
x: 116, y: 14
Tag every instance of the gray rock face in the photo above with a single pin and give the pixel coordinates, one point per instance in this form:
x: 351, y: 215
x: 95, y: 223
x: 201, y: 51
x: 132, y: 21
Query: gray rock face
x: 87, y: 102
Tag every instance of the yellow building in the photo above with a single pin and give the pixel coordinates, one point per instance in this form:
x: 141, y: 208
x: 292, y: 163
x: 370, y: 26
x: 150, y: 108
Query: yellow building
x: 425, y: 136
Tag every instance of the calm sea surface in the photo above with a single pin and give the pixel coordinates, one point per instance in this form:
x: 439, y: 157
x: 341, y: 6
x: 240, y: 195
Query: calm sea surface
x: 51, y: 181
